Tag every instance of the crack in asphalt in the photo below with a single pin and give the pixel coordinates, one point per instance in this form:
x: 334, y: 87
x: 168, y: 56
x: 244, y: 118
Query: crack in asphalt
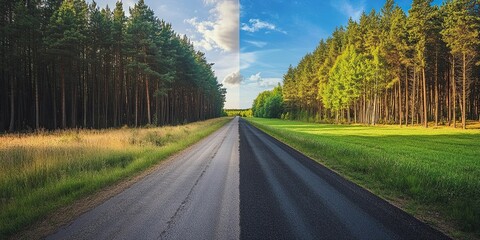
x: 171, y: 222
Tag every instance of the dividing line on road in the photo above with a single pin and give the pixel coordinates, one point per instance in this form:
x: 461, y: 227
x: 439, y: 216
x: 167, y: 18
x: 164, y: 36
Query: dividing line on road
x: 240, y: 183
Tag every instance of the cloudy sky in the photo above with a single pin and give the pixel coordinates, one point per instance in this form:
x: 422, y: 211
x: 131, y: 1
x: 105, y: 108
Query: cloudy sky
x: 253, y: 42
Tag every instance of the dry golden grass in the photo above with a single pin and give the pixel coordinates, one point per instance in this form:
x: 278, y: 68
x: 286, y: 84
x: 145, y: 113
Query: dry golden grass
x: 43, y: 171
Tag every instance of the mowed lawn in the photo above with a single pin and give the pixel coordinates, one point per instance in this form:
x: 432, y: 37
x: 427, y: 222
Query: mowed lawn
x: 425, y: 170
x: 42, y: 172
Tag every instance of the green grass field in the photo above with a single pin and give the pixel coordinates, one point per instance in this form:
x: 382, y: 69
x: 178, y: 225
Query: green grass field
x: 42, y: 172
x: 429, y: 170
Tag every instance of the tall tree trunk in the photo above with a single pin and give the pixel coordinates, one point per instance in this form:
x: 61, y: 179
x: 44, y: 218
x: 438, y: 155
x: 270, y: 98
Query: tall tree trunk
x: 400, y: 99
x: 425, y: 111
x: 37, y: 108
x: 406, y: 96
x: 436, y: 89
x: 54, y: 94
x: 454, y: 89
x: 413, y: 95
x: 62, y: 83
x: 149, y: 118
x: 364, y: 108
x: 448, y: 102
x: 348, y: 115
x: 354, y: 112
x: 85, y: 98
x: 12, y: 105
x: 374, y: 112
x: 136, y: 105
x: 464, y: 90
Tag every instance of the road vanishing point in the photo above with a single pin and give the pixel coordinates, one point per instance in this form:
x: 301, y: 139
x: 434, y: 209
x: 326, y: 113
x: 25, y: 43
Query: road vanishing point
x: 240, y: 183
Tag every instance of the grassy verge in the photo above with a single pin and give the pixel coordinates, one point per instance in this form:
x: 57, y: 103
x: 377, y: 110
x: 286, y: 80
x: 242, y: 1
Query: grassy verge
x: 429, y: 171
x: 45, y: 171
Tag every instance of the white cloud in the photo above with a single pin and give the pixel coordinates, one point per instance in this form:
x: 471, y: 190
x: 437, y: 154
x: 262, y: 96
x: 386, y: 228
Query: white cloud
x: 270, y: 82
x: 258, y: 80
x: 234, y: 78
x: 210, y: 1
x: 220, y: 31
x: 258, y: 44
x: 255, y: 25
x: 348, y: 9
x: 255, y: 77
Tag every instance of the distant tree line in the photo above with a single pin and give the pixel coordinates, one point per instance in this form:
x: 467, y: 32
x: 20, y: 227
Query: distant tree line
x: 68, y: 64
x: 392, y: 68
x: 239, y: 112
x: 269, y: 104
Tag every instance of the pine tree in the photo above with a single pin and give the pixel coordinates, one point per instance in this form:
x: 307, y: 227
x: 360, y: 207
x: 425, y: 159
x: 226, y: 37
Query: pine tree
x: 419, y: 26
x: 63, y: 39
x: 462, y: 34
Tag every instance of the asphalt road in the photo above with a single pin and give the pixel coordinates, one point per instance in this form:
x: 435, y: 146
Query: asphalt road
x: 286, y: 195
x: 194, y: 196
x: 241, y: 183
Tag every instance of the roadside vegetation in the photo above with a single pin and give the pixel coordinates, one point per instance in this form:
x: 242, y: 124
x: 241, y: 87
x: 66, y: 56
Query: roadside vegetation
x: 433, y: 174
x: 42, y: 172
x: 239, y: 112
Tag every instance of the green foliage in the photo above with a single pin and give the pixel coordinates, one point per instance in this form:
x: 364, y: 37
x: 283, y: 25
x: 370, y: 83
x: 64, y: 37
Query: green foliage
x: 268, y: 104
x: 345, y: 80
x: 66, y: 30
x: 461, y: 29
x: 239, y: 112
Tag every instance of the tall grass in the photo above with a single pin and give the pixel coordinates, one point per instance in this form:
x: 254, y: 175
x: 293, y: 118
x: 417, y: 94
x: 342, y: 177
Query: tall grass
x: 44, y: 171
x: 431, y: 168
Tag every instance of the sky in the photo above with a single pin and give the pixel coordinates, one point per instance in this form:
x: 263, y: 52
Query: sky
x: 251, y: 42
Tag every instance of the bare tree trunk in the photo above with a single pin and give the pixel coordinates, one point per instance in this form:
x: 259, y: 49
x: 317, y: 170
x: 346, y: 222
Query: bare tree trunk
x: 400, y: 109
x: 149, y: 118
x: 37, y: 108
x: 374, y: 112
x: 54, y: 94
x: 425, y: 113
x: 348, y: 115
x: 406, y: 96
x: 85, y: 99
x: 413, y: 95
x: 62, y: 79
x: 464, y: 96
x: 454, y: 88
x: 12, y: 105
x: 355, y: 112
x: 364, y: 108
x: 436, y: 89
x: 448, y: 102
x: 136, y: 105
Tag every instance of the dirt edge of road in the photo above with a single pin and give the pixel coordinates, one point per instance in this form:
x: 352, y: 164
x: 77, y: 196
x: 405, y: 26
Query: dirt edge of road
x: 65, y: 215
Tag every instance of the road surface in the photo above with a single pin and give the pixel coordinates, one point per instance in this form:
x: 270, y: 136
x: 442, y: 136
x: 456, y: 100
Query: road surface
x: 241, y: 183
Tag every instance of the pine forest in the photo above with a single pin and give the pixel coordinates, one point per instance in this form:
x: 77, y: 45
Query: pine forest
x: 390, y: 67
x: 70, y: 64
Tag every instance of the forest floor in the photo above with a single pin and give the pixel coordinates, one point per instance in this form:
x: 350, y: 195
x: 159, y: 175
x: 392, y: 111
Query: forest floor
x: 45, y: 171
x: 434, y: 174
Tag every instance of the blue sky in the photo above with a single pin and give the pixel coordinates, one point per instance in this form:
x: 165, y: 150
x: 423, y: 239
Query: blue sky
x: 253, y: 42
